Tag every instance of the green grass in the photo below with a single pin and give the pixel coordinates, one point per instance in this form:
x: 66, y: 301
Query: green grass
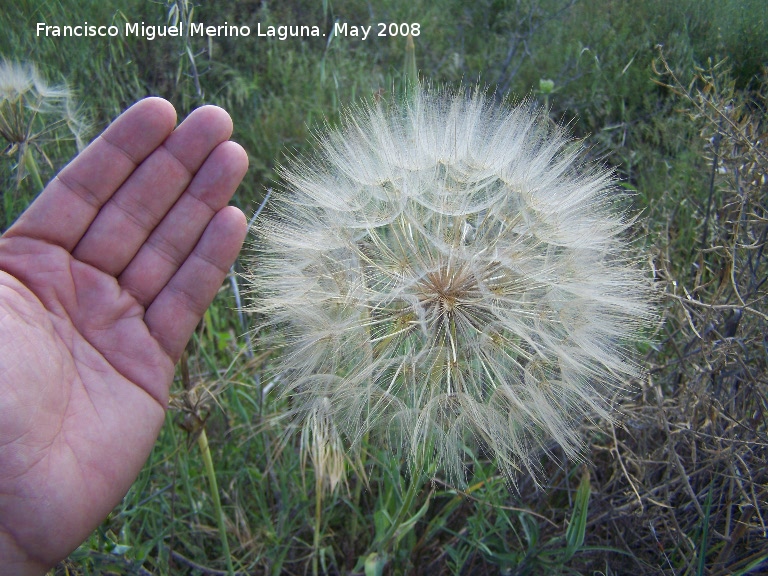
x: 630, y: 509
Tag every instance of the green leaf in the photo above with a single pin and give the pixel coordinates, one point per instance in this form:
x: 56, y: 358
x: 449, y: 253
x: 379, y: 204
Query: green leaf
x: 408, y: 525
x: 760, y: 562
x: 574, y: 536
x: 375, y: 563
x: 381, y: 523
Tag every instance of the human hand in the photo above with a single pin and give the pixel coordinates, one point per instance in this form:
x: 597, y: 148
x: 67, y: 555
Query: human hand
x: 102, y: 281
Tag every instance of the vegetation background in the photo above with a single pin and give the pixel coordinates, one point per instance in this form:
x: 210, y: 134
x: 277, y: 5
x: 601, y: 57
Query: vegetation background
x: 672, y: 94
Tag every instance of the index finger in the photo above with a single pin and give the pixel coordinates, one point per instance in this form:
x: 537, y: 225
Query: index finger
x: 65, y: 209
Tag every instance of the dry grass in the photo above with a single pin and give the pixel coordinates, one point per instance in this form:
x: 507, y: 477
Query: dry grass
x: 684, y: 485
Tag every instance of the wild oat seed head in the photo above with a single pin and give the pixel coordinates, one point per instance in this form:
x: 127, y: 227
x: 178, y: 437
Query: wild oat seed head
x: 321, y: 441
x: 449, y: 274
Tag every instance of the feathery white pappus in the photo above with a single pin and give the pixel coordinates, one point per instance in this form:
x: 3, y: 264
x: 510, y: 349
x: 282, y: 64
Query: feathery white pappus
x: 447, y: 272
x: 25, y: 97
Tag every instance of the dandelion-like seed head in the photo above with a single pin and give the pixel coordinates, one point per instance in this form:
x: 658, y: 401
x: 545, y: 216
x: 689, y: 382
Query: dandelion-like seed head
x: 15, y: 80
x: 449, y: 274
x: 26, y: 99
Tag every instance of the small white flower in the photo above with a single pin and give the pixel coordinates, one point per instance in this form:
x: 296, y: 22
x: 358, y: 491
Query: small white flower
x: 448, y: 273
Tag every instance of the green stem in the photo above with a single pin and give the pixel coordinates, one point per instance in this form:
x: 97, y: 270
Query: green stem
x: 413, y: 489
x: 318, y: 517
x: 368, y: 349
x: 28, y: 161
x: 202, y: 442
x: 410, y: 72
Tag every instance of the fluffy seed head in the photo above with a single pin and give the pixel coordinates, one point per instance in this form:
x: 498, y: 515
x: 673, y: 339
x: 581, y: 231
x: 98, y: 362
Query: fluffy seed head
x: 445, y: 271
x: 27, y: 100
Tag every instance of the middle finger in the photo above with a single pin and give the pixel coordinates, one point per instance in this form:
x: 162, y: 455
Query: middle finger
x: 128, y: 218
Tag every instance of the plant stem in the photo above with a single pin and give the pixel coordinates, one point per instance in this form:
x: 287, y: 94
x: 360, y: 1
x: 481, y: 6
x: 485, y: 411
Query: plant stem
x: 318, y: 517
x: 414, y: 485
x: 29, y: 164
x: 202, y: 442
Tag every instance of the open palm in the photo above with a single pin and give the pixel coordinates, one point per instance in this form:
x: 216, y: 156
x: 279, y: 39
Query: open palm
x: 102, y: 281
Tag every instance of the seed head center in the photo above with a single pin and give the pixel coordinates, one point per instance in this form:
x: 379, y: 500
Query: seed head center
x: 444, y: 290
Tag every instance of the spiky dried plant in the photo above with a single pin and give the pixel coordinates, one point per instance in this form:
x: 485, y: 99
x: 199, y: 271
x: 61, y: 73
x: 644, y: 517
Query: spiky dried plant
x: 446, y: 270
x: 323, y: 444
